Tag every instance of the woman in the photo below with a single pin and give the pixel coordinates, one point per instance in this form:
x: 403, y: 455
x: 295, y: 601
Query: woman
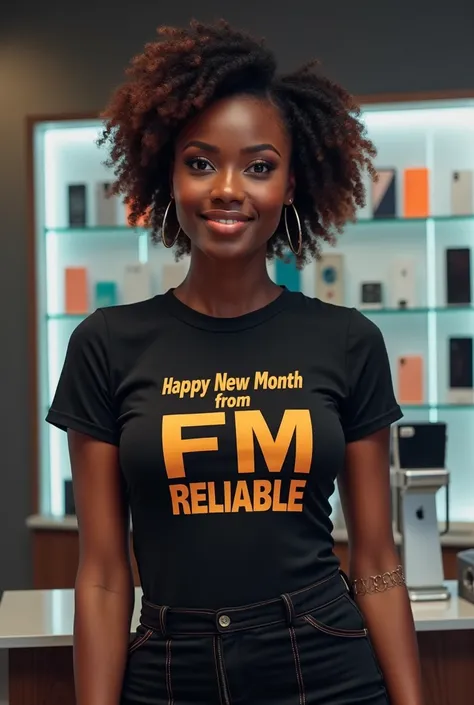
x: 222, y: 412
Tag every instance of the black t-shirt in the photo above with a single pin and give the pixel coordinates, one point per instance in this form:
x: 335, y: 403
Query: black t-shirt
x: 231, y: 433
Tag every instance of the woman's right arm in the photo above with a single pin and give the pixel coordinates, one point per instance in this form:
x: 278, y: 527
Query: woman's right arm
x: 104, y: 584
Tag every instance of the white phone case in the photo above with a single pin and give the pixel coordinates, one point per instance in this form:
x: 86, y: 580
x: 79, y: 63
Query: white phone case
x: 329, y: 279
x: 462, y: 193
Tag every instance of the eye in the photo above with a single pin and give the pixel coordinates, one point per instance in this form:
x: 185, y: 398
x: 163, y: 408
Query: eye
x: 199, y: 164
x: 261, y: 167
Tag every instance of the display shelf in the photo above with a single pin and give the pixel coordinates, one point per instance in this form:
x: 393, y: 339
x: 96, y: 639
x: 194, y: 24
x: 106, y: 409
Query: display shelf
x: 367, y: 312
x: 406, y: 408
x: 126, y: 229
x: 435, y: 135
x: 97, y: 229
x: 423, y: 311
x: 76, y: 317
x: 442, y: 219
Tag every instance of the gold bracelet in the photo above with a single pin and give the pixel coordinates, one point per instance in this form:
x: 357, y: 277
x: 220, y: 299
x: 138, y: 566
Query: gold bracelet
x: 379, y: 583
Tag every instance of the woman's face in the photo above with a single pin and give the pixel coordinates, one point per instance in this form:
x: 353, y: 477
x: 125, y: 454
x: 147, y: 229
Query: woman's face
x: 231, y: 177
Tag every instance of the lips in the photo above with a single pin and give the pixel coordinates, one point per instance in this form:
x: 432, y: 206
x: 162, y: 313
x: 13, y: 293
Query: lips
x: 225, y: 222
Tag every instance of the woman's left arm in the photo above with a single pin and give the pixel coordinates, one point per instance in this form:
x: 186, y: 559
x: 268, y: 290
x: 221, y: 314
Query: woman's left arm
x: 364, y: 487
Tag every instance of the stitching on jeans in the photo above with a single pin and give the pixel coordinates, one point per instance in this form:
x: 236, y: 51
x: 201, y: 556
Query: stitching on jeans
x: 273, y: 601
x: 214, y: 644
x: 225, y: 680
x: 141, y: 640
x: 289, y: 607
x: 176, y: 609
x: 296, y: 657
x: 233, y: 630
x: 168, y: 673
x: 230, y: 630
x: 162, y: 620
x: 344, y: 633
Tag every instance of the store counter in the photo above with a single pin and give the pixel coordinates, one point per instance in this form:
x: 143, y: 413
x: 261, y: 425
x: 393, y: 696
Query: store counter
x: 36, y: 641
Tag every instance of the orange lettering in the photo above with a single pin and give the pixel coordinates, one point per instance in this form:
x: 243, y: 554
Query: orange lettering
x: 277, y: 505
x: 295, y: 422
x: 242, y: 498
x: 198, y: 494
x: 174, y: 445
x: 179, y: 498
x: 214, y: 508
x: 295, y: 495
x: 262, y: 499
x: 227, y: 496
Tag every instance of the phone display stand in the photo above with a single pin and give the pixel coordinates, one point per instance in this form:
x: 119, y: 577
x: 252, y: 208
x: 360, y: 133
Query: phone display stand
x: 418, y: 524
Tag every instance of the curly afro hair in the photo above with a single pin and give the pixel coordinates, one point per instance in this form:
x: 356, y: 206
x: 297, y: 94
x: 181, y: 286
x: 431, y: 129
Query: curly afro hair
x: 188, y: 69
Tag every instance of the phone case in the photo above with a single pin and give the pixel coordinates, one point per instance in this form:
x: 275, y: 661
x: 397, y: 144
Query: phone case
x: 329, y: 280
x: 137, y: 283
x: 416, y: 193
x: 77, y: 205
x: 106, y: 205
x: 286, y: 273
x: 384, y: 194
x: 458, y: 276
x: 410, y: 379
x: 462, y: 193
x: 105, y: 294
x: 75, y: 288
x: 403, y: 291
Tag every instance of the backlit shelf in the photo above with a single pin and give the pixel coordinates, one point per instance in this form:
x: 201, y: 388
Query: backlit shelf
x: 367, y: 312
x: 97, y: 230
x: 422, y: 310
x: 439, y: 407
x: 67, y: 316
x: 415, y: 221
x: 125, y: 229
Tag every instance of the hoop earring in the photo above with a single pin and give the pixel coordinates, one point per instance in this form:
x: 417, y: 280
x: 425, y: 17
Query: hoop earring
x: 296, y: 251
x: 163, y: 238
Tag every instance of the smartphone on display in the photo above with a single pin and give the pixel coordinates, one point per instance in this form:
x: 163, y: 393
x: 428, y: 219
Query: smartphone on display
x: 410, y: 379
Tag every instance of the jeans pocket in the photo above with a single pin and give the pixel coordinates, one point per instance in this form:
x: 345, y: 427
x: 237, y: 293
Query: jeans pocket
x: 335, y: 631
x: 337, y: 619
x: 140, y: 639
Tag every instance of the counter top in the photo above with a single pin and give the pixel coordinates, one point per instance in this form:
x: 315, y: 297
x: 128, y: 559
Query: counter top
x: 42, y: 618
x: 461, y: 535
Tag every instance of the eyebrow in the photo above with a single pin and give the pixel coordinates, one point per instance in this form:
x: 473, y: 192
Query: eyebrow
x: 247, y: 150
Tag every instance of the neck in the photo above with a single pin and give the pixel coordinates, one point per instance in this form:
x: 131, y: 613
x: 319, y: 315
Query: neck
x: 227, y: 289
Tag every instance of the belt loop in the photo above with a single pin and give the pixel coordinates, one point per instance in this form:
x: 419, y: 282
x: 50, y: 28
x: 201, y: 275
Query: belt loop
x: 346, y: 581
x: 289, y: 609
x: 162, y: 617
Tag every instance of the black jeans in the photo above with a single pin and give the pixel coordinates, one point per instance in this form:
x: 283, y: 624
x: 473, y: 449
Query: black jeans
x: 305, y: 648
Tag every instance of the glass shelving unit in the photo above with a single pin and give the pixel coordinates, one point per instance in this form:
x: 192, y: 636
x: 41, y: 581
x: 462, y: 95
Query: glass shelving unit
x: 438, y: 135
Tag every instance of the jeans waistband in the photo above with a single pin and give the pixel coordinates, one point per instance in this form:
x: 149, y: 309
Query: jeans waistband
x: 170, y: 621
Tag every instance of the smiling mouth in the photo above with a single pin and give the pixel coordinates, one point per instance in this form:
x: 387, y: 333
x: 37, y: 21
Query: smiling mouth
x: 222, y: 217
x: 231, y: 225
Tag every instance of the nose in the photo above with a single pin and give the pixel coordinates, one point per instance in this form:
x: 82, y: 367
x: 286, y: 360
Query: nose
x: 227, y: 187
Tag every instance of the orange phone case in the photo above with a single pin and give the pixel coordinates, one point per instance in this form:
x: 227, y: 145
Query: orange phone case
x: 75, y: 287
x: 416, y: 193
x: 410, y: 379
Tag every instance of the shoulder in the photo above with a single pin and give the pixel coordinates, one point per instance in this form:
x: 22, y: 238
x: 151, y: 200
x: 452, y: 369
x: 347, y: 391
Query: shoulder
x: 321, y: 312
x: 134, y: 315
x: 349, y: 325
x: 107, y: 327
